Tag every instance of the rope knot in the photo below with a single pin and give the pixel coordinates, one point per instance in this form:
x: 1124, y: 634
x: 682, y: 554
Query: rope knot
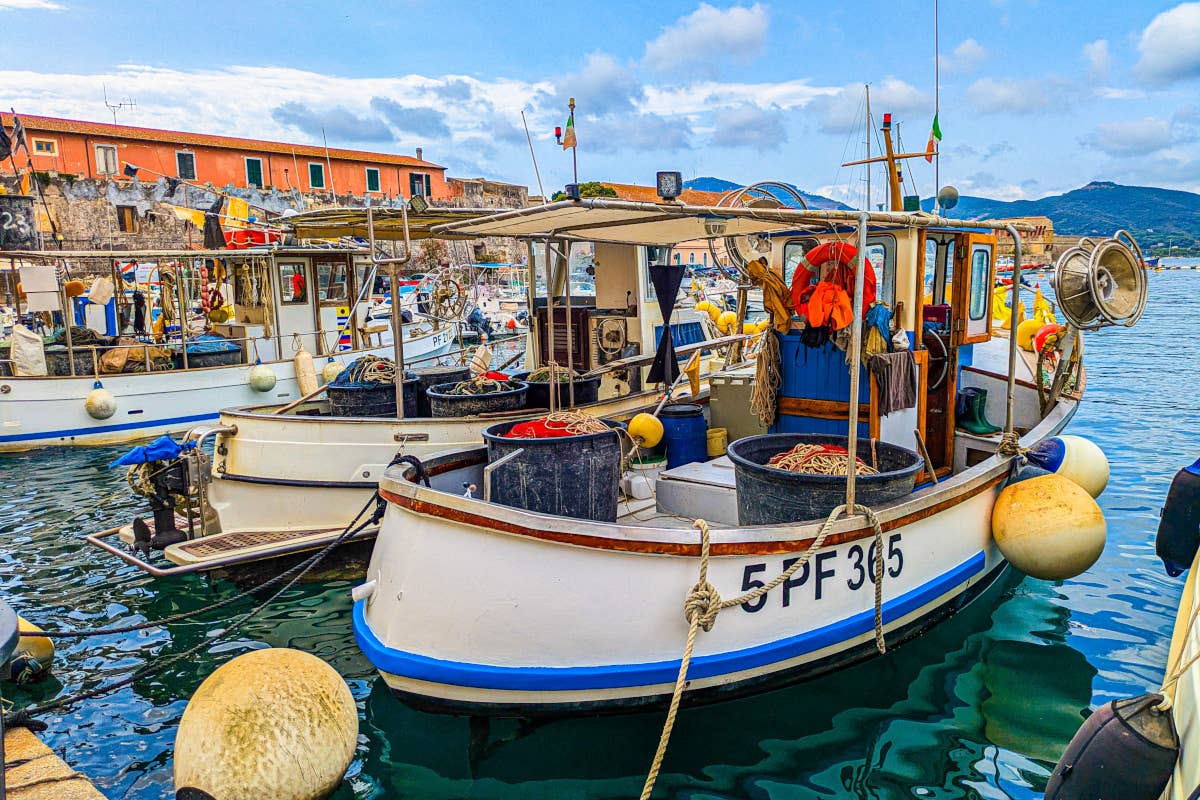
x: 1010, y: 444
x: 702, y: 605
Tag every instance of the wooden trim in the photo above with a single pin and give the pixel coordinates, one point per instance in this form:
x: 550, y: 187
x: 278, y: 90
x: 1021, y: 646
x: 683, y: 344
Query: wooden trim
x: 418, y: 506
x: 978, y: 371
x: 818, y: 409
x: 873, y: 418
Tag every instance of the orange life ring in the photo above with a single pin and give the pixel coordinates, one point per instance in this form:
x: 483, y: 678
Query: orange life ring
x: 842, y: 276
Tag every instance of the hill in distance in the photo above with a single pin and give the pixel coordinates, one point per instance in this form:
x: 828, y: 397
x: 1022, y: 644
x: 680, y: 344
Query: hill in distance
x: 1158, y: 218
x: 720, y: 185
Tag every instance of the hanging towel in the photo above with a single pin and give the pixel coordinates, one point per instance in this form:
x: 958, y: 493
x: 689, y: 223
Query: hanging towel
x: 894, y: 373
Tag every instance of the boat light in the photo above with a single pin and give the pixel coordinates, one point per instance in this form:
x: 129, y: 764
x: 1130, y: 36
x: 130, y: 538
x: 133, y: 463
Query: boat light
x: 715, y: 226
x: 670, y: 184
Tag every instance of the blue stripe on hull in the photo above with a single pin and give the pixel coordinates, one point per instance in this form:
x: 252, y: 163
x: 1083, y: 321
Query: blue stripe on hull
x: 484, y: 676
x: 124, y: 426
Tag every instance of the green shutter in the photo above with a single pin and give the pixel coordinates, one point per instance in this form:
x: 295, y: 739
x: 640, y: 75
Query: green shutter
x: 372, y: 179
x: 254, y: 174
x: 316, y: 176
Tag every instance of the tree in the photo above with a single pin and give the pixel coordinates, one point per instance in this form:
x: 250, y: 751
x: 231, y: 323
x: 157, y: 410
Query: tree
x: 589, y: 189
x: 433, y: 254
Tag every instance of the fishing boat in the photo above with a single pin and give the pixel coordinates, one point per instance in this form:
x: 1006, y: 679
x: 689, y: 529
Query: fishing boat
x: 487, y: 603
x: 285, y: 477
x: 126, y: 368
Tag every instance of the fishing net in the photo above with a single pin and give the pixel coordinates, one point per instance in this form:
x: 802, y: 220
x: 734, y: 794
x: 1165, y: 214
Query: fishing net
x: 543, y: 375
x: 818, y: 459
x: 564, y: 423
x: 482, y: 384
x: 366, y: 372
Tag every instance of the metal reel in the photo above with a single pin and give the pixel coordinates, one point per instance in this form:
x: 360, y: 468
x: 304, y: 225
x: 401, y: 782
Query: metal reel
x: 611, y: 336
x: 738, y: 251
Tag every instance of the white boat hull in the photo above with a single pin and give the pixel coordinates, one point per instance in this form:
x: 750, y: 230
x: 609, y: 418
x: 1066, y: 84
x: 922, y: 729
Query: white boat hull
x: 48, y: 411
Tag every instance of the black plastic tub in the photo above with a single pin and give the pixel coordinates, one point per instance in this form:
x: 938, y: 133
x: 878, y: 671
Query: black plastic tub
x: 769, y: 496
x: 587, y: 390
x: 371, y: 401
x: 568, y: 476
x: 442, y: 404
x: 59, y: 363
x: 431, y: 376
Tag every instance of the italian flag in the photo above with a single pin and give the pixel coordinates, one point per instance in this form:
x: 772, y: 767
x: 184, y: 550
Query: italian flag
x: 569, y: 135
x: 935, y: 136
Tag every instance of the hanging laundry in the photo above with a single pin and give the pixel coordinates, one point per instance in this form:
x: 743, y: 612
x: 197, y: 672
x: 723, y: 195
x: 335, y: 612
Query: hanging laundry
x: 214, y: 237
x: 894, y: 375
x: 237, y: 209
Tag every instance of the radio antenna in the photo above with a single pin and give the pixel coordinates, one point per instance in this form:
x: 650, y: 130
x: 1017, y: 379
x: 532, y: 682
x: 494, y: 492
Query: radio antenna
x: 115, y: 107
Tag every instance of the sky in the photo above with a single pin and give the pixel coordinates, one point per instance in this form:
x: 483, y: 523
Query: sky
x: 1036, y: 97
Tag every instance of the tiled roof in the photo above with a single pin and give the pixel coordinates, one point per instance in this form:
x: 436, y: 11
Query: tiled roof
x: 103, y: 129
x: 649, y: 194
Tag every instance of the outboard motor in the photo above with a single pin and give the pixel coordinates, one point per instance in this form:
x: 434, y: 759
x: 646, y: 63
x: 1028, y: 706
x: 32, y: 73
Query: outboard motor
x: 1179, y: 529
x: 479, y: 323
x: 167, y: 482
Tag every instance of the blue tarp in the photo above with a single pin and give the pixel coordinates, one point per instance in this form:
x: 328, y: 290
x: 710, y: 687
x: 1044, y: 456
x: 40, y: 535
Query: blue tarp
x: 163, y: 448
x: 210, y: 343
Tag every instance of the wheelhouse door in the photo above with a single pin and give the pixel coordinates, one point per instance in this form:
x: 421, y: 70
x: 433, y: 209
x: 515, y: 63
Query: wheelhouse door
x: 297, y: 320
x: 973, y: 290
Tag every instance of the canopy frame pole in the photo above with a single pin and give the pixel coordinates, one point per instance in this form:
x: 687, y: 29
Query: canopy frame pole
x: 570, y: 339
x: 855, y: 362
x: 1010, y: 399
x: 393, y: 265
x: 181, y: 290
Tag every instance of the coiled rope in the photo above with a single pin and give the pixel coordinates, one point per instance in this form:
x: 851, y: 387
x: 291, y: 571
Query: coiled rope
x: 704, y: 603
x: 371, y: 369
x: 767, y: 378
x: 819, y: 459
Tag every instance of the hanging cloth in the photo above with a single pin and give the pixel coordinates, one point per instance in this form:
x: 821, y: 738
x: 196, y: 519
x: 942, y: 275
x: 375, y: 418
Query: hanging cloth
x: 214, y: 237
x: 666, y: 279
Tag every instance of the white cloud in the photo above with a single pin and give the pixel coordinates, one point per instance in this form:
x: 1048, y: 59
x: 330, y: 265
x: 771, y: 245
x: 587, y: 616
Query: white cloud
x: 1134, y: 137
x: 965, y: 58
x: 1170, y: 46
x: 602, y: 86
x: 702, y: 97
x: 1010, y: 95
x: 842, y: 111
x: 1098, y: 59
x: 636, y: 132
x: 708, y: 36
x: 749, y: 126
x: 30, y: 5
x: 1117, y: 93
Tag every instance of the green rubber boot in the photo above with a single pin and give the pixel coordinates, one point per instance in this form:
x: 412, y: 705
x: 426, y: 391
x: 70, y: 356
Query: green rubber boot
x: 976, y: 420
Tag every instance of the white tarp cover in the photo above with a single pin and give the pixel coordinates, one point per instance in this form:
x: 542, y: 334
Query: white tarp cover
x: 101, y: 291
x: 28, y: 353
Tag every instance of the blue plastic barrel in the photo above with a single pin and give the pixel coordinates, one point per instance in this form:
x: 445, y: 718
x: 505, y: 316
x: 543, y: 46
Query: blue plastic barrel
x: 685, y: 433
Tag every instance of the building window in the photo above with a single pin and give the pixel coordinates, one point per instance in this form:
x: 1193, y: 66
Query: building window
x: 106, y: 159
x: 254, y: 172
x: 316, y: 175
x: 45, y: 147
x: 127, y: 219
x: 185, y: 166
x: 418, y: 184
x: 372, y: 179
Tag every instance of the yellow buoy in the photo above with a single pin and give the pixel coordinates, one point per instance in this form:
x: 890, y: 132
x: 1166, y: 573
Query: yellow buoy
x: 714, y: 312
x: 275, y: 723
x: 1048, y: 527
x: 1073, y: 457
x: 330, y: 371
x: 646, y: 430
x: 749, y: 327
x: 100, y: 403
x: 306, y: 373
x: 726, y: 321
x: 34, y: 656
x: 703, y: 306
x: 1026, y: 331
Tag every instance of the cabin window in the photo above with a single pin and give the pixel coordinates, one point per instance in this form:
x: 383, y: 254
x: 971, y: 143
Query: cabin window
x: 293, y: 283
x: 185, y: 166
x: 316, y: 175
x: 372, y: 179
x: 127, y: 219
x: 931, y: 247
x: 332, y: 276
x: 885, y: 271
x: 45, y: 147
x: 106, y: 159
x: 254, y: 172
x: 980, y: 272
x: 948, y: 276
x: 791, y: 256
x: 939, y: 270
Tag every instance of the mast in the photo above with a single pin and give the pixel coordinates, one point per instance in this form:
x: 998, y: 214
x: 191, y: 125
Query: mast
x: 867, y: 87
x: 937, y: 186
x: 890, y: 157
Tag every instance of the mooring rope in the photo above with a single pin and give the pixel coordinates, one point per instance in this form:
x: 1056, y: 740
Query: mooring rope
x: 704, y: 603
x: 767, y: 379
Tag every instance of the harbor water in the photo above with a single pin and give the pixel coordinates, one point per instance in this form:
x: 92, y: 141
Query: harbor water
x: 981, y: 707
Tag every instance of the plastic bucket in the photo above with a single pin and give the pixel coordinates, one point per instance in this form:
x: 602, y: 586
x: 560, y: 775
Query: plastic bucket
x: 568, y: 476
x: 431, y: 376
x: 587, y: 390
x: 442, y: 404
x: 684, y: 434
x: 371, y: 401
x: 767, y: 496
x: 718, y: 442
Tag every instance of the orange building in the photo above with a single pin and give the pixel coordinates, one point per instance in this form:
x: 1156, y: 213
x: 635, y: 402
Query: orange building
x: 100, y: 150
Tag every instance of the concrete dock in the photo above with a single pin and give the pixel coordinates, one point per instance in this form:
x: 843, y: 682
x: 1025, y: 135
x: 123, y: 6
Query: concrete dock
x: 33, y: 772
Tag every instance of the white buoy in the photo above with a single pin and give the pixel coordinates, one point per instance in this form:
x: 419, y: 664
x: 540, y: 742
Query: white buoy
x: 1073, y: 457
x: 330, y: 371
x: 1048, y: 527
x: 100, y: 403
x: 306, y: 373
x: 262, y: 378
x: 33, y: 657
x: 276, y: 723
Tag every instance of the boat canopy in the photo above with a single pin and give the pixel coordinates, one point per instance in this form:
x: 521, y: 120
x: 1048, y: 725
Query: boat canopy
x: 623, y: 221
x: 388, y: 222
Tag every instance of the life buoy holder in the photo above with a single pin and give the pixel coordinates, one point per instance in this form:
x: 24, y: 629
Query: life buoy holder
x: 843, y: 253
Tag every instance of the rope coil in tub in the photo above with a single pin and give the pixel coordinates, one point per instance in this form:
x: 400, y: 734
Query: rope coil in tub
x: 818, y: 459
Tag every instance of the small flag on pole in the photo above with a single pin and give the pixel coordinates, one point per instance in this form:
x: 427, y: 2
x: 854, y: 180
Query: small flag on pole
x: 18, y: 134
x: 6, y: 147
x: 935, y: 137
x: 568, y: 137
x: 130, y: 170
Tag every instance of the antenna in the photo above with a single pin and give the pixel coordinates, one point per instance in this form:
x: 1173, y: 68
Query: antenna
x: 115, y: 107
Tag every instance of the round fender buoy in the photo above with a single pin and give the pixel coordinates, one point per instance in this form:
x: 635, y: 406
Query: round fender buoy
x: 646, y: 430
x: 749, y: 327
x: 330, y: 371
x: 100, y: 403
x: 1073, y: 457
x: 703, y: 306
x: 1126, y: 749
x: 1179, y: 529
x: 1045, y: 334
x: 727, y: 321
x: 276, y: 723
x: 1025, y: 333
x: 34, y: 656
x: 262, y: 378
x: 74, y: 288
x: 1048, y: 527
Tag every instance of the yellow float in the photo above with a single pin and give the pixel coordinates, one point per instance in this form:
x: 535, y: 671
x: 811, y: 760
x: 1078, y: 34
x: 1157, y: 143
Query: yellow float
x: 276, y: 723
x: 1026, y: 331
x: 646, y: 430
x: 1048, y: 527
x: 726, y: 322
x: 33, y: 657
